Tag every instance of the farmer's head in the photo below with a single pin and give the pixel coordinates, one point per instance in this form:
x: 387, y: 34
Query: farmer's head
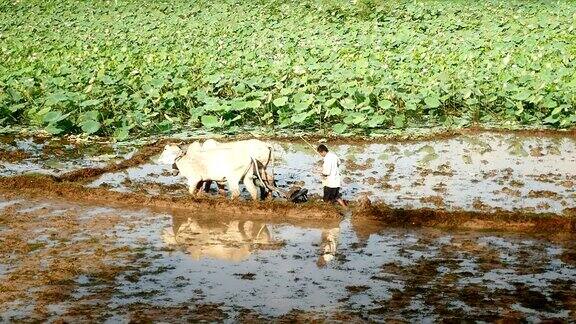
x: 322, y: 149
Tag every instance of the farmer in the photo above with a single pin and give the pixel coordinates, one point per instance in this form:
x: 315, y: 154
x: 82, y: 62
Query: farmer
x: 330, y: 176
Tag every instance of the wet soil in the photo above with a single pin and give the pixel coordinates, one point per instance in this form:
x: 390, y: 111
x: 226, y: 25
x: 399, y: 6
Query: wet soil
x: 541, y: 201
x: 459, y: 228
x: 13, y: 156
x: 53, y: 187
x: 70, y: 262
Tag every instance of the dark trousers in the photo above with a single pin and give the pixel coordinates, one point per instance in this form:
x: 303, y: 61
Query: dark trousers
x: 331, y: 194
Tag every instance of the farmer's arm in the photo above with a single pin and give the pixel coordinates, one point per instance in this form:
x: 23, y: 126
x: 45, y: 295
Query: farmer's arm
x: 326, y: 167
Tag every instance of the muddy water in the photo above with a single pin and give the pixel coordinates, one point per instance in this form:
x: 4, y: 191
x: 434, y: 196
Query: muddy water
x: 482, y: 172
x: 65, y: 260
x: 77, y: 262
x: 52, y: 156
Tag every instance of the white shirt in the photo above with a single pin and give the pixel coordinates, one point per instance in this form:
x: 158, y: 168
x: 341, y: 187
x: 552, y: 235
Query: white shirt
x: 331, y: 171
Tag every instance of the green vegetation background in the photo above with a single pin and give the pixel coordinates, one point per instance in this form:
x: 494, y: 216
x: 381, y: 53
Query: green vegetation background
x: 121, y: 68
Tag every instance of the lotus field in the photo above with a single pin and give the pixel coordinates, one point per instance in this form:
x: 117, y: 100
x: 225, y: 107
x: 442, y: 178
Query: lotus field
x: 133, y: 68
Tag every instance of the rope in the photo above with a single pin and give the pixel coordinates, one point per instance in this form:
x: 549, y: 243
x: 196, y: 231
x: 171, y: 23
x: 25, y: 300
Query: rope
x: 258, y: 174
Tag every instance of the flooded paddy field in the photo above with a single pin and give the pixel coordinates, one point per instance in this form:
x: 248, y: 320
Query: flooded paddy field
x: 73, y: 262
x: 483, y: 172
x: 106, y: 234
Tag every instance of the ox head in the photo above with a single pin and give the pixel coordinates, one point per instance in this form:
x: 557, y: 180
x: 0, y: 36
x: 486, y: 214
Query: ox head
x: 193, y: 148
x: 170, y: 154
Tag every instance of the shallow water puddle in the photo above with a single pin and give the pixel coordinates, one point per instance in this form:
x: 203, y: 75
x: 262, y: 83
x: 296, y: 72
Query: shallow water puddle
x: 79, y: 262
x: 482, y: 172
x: 55, y: 156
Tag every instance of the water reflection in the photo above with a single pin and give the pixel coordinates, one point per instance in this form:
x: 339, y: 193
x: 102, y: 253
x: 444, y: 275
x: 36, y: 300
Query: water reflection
x: 273, y: 267
x: 326, y: 267
x: 231, y: 240
x: 328, y: 246
x: 237, y: 240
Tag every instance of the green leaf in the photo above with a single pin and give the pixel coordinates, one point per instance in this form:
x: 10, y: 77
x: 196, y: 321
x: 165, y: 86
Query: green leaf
x: 107, y: 80
x: 376, y: 121
x: 253, y: 104
x: 279, y: 102
x: 91, y: 102
x: 552, y: 119
x: 90, y: 115
x: 56, y: 98
x: 213, y: 79
x: 333, y: 112
x: 90, y: 126
x: 557, y: 111
x: 183, y: 91
x: 339, y: 128
x: 301, y: 106
x: 330, y: 102
x: 239, y: 105
x: 355, y: 118
x: 348, y: 103
x: 385, y: 104
x: 53, y: 116
x: 165, y: 126
x: 122, y: 133
x: 214, y: 106
x: 550, y: 104
x: 523, y: 95
x: 210, y: 121
x: 53, y: 129
x: 16, y: 97
x: 17, y: 107
x: 299, y: 70
x: 298, y: 118
x: 432, y: 101
x: 399, y: 120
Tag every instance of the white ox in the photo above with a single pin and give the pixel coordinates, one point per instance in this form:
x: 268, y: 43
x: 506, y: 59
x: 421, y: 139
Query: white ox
x: 261, y: 152
x: 229, y: 165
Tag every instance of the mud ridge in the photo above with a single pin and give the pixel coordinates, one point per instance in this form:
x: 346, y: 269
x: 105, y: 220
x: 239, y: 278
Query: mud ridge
x: 41, y: 186
x: 13, y: 156
x: 142, y: 156
x: 399, y: 138
x: 155, y: 147
x: 474, y: 220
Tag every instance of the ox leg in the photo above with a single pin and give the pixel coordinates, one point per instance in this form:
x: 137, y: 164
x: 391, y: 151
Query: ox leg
x: 221, y: 189
x: 207, y: 186
x: 269, y: 180
x: 251, y: 187
x: 234, y: 186
x: 194, y: 184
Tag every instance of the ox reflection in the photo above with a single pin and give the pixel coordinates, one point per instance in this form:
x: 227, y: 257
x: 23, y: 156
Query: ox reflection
x: 231, y: 240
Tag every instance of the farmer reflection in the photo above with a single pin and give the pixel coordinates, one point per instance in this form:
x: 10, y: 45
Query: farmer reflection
x: 232, y: 241
x: 328, y: 245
